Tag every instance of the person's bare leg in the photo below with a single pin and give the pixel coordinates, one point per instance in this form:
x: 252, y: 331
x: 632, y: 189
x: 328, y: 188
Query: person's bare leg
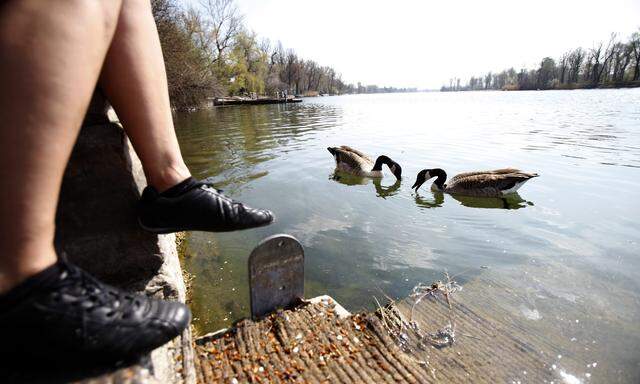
x: 135, y: 83
x: 51, y: 55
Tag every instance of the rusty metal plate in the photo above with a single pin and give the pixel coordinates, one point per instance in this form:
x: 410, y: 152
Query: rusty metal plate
x: 276, y: 274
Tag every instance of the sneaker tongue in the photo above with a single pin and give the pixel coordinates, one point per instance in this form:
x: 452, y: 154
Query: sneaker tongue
x: 38, y: 281
x: 180, y: 188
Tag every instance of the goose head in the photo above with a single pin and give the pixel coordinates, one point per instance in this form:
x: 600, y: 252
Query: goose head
x: 422, y: 177
x: 394, y: 167
x: 426, y: 174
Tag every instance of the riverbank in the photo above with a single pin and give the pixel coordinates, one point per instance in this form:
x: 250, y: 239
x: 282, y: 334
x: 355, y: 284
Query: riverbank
x: 558, y: 87
x: 612, y: 85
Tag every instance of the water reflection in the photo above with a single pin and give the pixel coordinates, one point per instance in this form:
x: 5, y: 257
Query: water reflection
x: 351, y: 180
x: 436, y: 201
x: 228, y: 143
x: 511, y: 201
x: 386, y: 191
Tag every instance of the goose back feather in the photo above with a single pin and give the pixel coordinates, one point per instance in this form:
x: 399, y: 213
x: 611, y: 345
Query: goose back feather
x: 487, y: 183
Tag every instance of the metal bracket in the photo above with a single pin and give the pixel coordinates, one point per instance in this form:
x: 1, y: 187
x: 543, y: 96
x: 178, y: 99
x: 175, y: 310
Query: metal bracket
x: 276, y: 274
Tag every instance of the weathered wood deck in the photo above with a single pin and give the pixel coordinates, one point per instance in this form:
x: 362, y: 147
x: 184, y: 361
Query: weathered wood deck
x: 314, y: 344
x: 309, y: 344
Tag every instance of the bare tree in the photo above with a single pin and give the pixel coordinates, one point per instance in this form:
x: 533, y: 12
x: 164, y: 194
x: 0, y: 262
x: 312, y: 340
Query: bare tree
x: 575, y: 63
x: 221, y: 23
x: 487, y: 80
x: 265, y: 46
x: 331, y: 79
x: 291, y: 71
x: 188, y: 77
x: 626, y: 60
x: 635, y: 44
x: 601, y: 59
x: 497, y: 81
x: 193, y: 22
x: 313, y: 75
x: 620, y: 61
x: 563, y: 67
x: 593, y: 63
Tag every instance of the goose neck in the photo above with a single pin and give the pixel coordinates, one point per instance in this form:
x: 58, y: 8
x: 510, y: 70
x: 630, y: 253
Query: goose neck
x: 441, y: 177
x: 381, y: 160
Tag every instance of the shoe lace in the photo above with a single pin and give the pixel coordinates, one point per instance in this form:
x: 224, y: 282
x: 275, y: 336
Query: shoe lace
x: 88, y: 292
x: 209, y: 187
x: 208, y: 182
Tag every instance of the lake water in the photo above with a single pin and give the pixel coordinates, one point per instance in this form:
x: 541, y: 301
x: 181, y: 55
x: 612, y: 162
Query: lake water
x: 568, y: 245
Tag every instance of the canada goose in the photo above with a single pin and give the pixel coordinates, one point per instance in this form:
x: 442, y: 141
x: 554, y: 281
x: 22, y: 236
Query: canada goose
x: 357, y: 163
x: 495, y: 183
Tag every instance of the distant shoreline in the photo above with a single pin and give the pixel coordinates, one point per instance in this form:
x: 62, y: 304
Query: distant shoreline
x: 560, y: 87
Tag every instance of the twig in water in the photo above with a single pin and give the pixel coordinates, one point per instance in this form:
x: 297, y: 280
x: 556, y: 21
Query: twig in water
x: 384, y: 319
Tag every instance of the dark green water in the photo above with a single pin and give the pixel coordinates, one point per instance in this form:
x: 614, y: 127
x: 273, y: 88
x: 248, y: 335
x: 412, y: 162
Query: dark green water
x: 569, y: 242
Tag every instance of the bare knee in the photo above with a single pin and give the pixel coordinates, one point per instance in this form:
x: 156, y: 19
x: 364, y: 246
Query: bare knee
x: 133, y: 13
x: 24, y: 16
x: 101, y: 12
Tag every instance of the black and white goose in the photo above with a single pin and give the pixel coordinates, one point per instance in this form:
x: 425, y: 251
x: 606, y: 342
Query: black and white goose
x: 357, y: 163
x: 494, y: 183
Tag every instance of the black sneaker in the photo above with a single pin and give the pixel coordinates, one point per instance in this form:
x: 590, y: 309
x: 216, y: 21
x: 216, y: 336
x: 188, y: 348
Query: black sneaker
x: 63, y: 312
x: 196, y: 205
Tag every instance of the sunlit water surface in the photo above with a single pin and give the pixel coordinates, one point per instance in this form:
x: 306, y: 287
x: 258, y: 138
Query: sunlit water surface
x: 568, y: 245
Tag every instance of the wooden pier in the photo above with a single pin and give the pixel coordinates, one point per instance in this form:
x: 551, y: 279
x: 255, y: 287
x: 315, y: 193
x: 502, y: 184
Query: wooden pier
x: 219, y: 102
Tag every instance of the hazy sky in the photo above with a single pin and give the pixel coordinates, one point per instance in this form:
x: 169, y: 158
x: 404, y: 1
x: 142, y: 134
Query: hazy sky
x: 424, y: 43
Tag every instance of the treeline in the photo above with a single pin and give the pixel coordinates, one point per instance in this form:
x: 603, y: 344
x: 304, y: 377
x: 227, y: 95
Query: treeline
x: 616, y: 64
x: 209, y: 52
x: 376, y: 89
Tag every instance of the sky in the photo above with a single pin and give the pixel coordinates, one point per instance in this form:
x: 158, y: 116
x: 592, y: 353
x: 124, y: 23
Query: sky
x: 424, y: 43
